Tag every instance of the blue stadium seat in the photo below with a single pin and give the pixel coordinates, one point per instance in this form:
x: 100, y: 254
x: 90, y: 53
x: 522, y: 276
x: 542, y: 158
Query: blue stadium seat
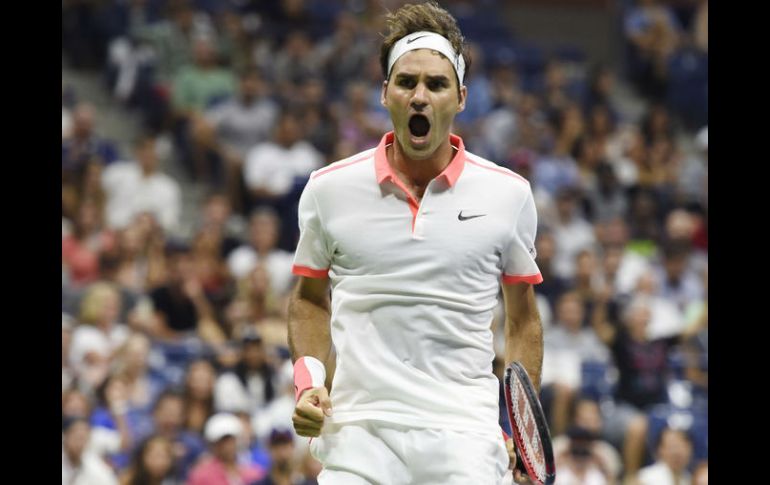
x: 597, y: 380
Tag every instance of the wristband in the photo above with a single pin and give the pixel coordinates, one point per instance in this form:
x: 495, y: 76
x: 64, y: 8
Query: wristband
x: 309, y: 372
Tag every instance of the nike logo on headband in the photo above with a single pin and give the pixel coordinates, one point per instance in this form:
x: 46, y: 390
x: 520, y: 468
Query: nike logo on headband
x: 409, y: 41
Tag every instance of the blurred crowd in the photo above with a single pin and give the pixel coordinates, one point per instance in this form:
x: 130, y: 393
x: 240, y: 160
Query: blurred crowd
x: 175, y: 363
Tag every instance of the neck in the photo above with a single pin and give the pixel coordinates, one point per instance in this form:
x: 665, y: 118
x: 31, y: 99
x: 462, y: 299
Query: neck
x: 420, y: 172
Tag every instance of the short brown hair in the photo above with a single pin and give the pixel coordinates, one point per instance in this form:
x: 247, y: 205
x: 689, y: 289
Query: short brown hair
x: 428, y: 16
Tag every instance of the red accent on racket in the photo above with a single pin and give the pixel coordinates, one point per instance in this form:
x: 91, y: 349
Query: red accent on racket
x: 529, y: 429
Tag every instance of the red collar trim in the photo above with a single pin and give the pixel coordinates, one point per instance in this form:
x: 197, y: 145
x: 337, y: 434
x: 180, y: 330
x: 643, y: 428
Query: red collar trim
x: 451, y: 173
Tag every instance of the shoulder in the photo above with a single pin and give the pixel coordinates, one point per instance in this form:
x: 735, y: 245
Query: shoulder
x: 494, y: 171
x: 482, y: 174
x: 353, y: 170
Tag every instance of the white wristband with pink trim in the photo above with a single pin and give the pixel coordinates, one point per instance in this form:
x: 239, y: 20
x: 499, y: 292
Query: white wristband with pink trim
x: 309, y: 372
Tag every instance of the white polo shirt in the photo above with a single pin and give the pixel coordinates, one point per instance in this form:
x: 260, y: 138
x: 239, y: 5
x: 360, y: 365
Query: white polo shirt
x: 414, y: 284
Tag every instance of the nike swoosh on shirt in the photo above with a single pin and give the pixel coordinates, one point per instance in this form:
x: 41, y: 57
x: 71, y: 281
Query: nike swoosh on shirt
x: 461, y: 217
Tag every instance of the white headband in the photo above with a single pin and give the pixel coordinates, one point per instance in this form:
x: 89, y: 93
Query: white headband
x: 427, y: 40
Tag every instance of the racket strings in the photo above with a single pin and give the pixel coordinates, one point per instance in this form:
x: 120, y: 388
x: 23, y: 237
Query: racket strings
x: 525, y: 422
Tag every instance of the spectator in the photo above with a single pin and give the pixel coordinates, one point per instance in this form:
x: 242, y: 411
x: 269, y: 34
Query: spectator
x: 673, y: 452
x: 181, y: 308
x: 557, y: 170
x: 642, y: 377
x: 168, y: 421
x: 222, y: 467
x: 84, y: 145
x: 272, y: 166
x: 152, y: 463
x: 579, y: 463
x: 82, y: 248
x: 572, y: 233
x: 653, y: 33
x: 199, y: 394
x: 281, y: 445
x: 114, y: 417
x: 567, y: 346
x: 210, y: 268
x: 251, y: 381
x: 197, y: 87
x: 601, y: 87
x: 555, y: 87
x: 497, y: 131
x: 142, y: 384
x: 136, y: 187
x: 531, y: 123
x: 696, y: 341
x: 586, y: 416
x: 172, y: 40
x: 217, y: 213
x: 342, y: 53
x: 264, y: 233
x: 294, y: 61
x: 656, y: 124
x: 96, y: 340
x: 78, y: 466
x: 137, y: 262
x: 677, y: 281
x: 643, y: 220
x: 359, y: 124
x: 319, y: 117
x: 608, y: 201
x: 75, y: 404
x: 233, y: 39
x: 278, y: 412
x: 228, y: 130
x: 626, y: 154
x: 553, y: 285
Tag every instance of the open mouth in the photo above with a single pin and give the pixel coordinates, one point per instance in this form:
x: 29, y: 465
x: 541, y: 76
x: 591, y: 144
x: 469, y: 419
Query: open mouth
x: 419, y: 125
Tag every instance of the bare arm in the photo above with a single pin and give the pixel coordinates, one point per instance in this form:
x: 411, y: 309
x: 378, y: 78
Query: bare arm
x: 309, y: 315
x: 523, y: 329
x: 310, y: 336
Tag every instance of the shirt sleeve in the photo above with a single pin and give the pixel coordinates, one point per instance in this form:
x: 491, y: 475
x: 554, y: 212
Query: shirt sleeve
x: 519, y: 257
x: 313, y: 255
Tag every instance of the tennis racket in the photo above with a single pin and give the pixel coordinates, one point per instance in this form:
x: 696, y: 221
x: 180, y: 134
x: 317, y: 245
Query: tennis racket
x: 534, y: 454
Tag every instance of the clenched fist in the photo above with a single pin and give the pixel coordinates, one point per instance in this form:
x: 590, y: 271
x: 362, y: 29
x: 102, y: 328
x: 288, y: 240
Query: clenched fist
x: 313, y: 405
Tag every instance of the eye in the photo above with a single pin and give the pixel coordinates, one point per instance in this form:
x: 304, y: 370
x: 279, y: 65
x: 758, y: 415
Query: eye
x: 436, y: 85
x: 406, y: 82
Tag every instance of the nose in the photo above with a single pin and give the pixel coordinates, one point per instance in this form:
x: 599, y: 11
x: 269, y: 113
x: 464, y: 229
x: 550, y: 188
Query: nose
x: 419, y: 97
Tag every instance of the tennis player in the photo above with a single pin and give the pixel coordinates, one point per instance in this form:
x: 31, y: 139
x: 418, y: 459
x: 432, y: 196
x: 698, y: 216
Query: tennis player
x: 415, y: 237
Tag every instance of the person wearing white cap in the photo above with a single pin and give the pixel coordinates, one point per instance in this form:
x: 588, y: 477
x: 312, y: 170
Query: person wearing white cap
x: 416, y: 237
x: 222, y: 432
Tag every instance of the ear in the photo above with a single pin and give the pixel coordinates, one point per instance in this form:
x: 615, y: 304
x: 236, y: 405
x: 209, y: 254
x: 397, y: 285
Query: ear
x: 463, y: 97
x: 383, y: 99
